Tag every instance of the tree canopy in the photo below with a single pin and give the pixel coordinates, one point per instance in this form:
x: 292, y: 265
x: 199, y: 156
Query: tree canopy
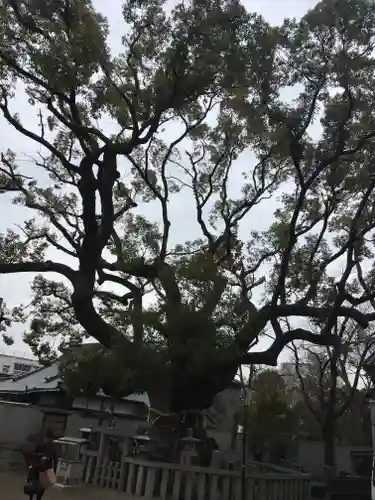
x: 196, y: 92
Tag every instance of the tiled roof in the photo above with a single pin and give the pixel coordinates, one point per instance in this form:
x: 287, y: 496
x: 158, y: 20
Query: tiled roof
x: 141, y: 397
x: 47, y: 379
x: 42, y: 379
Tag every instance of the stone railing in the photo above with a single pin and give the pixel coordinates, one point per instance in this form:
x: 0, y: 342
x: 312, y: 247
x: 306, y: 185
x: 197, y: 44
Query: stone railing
x: 149, y: 480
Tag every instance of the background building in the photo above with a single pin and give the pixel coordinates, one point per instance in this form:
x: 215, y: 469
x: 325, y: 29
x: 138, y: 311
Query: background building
x: 16, y: 365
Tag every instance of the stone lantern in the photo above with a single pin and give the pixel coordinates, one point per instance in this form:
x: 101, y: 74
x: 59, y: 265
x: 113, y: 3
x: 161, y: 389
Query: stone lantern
x: 189, y: 447
x: 70, y: 461
x: 143, y: 444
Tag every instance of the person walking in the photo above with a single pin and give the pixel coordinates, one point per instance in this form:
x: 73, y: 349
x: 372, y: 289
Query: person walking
x: 44, y: 459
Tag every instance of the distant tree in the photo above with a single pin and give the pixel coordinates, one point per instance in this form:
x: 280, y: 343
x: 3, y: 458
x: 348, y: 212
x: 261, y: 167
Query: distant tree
x: 195, y: 88
x: 5, y: 322
x: 307, y: 426
x: 354, y: 426
x: 328, y: 385
x: 269, y: 383
x: 269, y: 424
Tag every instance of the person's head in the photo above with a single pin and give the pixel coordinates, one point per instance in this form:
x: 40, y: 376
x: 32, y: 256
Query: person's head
x: 45, y: 442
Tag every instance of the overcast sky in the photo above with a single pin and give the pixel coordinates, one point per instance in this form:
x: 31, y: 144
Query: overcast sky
x: 15, y: 289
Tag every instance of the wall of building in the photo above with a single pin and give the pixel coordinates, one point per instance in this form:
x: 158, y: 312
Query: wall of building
x: 222, y: 438
x: 225, y: 405
x: 18, y: 421
x: 48, y: 399
x: 123, y: 426
x: 128, y: 415
x: 121, y: 408
x: 310, y: 456
x: 16, y: 366
x: 126, y: 420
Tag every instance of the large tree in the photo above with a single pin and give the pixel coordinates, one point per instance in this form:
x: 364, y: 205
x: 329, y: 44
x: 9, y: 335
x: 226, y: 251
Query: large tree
x: 197, y: 91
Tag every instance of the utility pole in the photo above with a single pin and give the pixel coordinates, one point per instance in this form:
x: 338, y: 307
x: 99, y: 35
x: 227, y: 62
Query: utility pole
x: 247, y: 395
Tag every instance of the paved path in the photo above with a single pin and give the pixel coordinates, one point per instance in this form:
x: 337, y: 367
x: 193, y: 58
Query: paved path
x: 11, y: 485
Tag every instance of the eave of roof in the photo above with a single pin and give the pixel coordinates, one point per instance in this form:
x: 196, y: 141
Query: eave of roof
x: 47, y: 379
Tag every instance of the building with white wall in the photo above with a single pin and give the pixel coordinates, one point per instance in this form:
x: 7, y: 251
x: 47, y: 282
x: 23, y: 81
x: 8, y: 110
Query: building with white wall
x: 16, y: 365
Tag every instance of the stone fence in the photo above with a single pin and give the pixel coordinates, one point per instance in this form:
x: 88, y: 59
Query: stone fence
x: 164, y: 481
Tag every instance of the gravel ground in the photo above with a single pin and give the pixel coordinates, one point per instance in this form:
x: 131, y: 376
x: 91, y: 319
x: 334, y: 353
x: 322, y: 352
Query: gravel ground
x: 11, y: 485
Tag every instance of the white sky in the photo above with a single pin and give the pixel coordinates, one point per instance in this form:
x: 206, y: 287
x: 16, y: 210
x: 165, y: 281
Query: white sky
x: 15, y: 289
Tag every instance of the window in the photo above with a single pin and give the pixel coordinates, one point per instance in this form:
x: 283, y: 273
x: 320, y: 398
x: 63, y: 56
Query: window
x: 19, y: 367
x: 6, y: 368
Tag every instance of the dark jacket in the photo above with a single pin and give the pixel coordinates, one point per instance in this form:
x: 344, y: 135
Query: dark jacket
x: 48, y: 456
x: 45, y: 458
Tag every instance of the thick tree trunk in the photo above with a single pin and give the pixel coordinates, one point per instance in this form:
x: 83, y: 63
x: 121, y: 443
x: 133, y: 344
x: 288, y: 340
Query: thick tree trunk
x: 329, y: 446
x: 168, y: 430
x: 234, y: 434
x: 329, y: 427
x: 329, y: 454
